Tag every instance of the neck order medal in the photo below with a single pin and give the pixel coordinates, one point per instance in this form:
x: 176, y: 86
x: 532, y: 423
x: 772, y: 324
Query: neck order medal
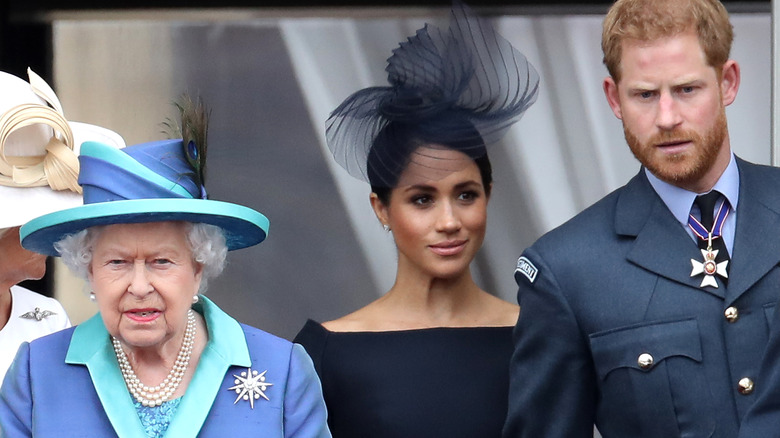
x: 709, y: 268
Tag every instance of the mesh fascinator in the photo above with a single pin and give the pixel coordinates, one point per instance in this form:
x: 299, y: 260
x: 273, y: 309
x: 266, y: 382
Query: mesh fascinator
x: 39, y: 150
x: 149, y: 182
x: 461, y: 88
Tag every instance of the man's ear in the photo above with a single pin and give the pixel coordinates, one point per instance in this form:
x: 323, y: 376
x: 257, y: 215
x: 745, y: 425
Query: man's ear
x: 613, y: 97
x: 729, y: 82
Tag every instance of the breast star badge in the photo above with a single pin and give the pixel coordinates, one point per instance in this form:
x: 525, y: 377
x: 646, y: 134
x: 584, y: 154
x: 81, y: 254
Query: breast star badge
x: 250, y: 386
x: 709, y: 268
x: 37, y: 314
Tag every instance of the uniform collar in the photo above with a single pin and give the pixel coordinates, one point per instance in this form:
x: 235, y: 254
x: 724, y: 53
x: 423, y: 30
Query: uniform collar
x: 679, y: 201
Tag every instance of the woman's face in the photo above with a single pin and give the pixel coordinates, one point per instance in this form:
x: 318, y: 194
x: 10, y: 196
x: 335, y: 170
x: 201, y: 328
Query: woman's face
x: 144, y: 278
x: 17, y: 263
x: 437, y: 212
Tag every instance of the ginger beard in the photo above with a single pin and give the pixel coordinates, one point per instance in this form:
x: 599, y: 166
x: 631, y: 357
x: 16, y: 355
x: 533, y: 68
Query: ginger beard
x: 686, y: 167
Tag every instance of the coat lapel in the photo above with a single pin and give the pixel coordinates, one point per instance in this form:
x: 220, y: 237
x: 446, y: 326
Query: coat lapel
x: 757, y: 240
x: 90, y: 346
x: 226, y: 347
x: 661, y: 244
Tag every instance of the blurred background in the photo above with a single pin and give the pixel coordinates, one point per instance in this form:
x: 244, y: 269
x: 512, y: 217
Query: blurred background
x: 272, y: 73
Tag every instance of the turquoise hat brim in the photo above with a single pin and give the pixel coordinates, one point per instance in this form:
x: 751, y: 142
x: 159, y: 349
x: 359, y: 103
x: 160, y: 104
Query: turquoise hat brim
x: 242, y: 226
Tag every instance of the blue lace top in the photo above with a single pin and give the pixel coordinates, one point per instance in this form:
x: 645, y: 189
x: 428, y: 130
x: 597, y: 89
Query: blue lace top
x: 157, y: 419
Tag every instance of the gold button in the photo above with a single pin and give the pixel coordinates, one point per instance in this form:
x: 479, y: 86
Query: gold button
x: 645, y: 361
x: 732, y: 314
x: 745, y: 386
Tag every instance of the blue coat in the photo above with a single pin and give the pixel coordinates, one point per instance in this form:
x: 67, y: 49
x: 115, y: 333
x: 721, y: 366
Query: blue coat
x: 69, y: 385
x: 763, y: 418
x: 613, y: 284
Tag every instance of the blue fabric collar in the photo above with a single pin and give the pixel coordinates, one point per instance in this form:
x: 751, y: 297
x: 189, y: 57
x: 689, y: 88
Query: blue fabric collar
x: 91, y: 346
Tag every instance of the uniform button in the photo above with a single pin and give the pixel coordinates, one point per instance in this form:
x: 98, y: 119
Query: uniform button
x: 745, y: 386
x: 645, y: 361
x: 732, y: 314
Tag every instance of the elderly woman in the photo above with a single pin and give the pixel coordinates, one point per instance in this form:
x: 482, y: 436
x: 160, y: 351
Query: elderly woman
x: 159, y: 359
x: 431, y: 356
x: 38, y: 171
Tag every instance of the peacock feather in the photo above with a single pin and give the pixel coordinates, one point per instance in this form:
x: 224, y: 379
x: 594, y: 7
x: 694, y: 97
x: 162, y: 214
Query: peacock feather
x: 193, y: 130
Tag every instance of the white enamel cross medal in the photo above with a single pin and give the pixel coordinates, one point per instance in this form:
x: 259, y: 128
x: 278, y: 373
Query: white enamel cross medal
x: 709, y: 268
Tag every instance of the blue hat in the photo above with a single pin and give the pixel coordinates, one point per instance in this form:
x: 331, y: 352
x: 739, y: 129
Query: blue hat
x: 149, y: 182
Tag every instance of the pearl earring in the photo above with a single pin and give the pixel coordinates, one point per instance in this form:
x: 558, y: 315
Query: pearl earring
x: 195, y: 298
x: 92, y: 296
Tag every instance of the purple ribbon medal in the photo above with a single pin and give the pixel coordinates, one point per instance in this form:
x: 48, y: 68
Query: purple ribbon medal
x: 709, y: 267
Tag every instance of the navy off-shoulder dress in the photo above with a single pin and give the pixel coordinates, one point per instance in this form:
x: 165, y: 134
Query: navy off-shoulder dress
x: 438, y: 382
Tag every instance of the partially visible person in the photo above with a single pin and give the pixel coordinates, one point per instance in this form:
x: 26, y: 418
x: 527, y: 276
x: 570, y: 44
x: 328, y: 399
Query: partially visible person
x: 429, y: 358
x: 159, y: 358
x: 648, y: 313
x: 38, y: 172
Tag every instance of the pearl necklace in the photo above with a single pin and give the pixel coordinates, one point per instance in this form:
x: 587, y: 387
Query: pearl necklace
x: 156, y: 395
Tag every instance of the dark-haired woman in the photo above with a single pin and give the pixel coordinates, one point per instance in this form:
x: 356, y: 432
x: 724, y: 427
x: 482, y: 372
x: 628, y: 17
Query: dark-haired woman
x: 429, y: 358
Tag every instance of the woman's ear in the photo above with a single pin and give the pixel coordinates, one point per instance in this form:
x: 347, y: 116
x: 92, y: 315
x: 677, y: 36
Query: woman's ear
x: 198, y: 272
x: 380, y: 209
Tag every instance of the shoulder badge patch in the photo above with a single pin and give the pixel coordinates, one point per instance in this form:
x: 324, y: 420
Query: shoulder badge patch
x: 525, y: 267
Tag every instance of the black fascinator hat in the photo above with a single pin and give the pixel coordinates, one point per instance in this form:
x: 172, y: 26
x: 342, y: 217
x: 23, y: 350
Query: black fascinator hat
x: 460, y: 88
